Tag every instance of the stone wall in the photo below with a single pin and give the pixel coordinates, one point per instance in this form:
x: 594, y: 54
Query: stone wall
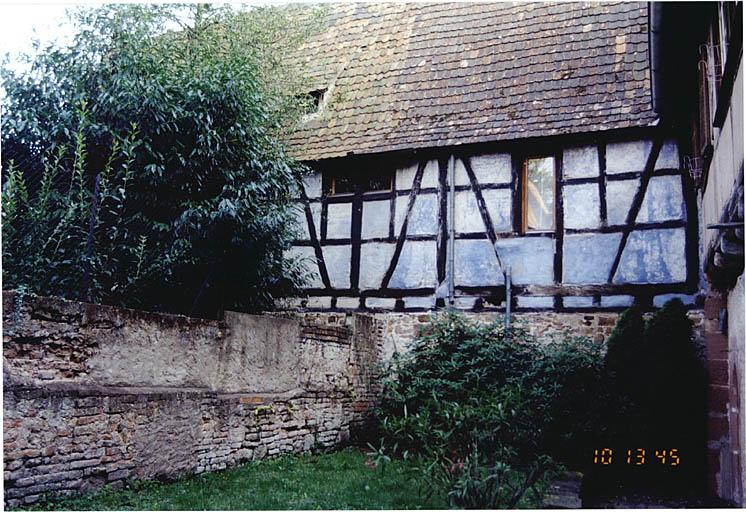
x: 396, y: 330
x: 726, y: 397
x: 95, y: 394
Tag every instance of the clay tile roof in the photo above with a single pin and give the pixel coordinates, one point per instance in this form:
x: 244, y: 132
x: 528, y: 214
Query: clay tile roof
x: 413, y: 75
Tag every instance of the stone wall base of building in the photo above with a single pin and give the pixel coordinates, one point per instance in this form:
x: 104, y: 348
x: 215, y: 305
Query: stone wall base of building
x: 724, y: 423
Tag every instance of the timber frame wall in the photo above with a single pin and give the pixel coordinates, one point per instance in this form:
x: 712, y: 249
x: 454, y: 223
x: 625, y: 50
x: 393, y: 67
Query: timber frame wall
x: 556, y: 292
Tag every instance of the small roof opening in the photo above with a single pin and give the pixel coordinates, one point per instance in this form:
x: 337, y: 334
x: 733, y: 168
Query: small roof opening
x: 314, y: 100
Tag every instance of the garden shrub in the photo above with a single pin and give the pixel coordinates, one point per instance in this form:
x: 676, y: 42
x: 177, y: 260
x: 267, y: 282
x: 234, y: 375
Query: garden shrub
x: 656, y: 401
x: 485, y: 411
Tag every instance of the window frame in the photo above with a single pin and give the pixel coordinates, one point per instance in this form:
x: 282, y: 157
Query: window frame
x: 717, y: 62
x: 329, y: 183
x: 524, y: 229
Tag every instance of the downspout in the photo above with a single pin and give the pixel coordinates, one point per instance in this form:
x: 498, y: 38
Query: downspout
x: 451, y: 230
x: 655, y: 42
x: 508, y: 299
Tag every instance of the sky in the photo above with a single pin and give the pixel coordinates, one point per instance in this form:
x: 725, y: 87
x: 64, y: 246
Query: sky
x: 20, y: 23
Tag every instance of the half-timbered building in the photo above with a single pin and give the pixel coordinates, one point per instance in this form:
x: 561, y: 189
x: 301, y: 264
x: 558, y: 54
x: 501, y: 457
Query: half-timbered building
x: 456, y: 144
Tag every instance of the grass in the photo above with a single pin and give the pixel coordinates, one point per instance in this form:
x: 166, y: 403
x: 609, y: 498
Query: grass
x: 337, y: 480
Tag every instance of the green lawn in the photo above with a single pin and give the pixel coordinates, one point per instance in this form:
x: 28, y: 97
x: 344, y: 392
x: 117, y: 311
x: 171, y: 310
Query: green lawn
x: 330, y: 481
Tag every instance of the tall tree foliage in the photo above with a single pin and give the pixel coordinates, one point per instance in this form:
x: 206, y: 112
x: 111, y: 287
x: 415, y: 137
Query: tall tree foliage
x: 143, y: 163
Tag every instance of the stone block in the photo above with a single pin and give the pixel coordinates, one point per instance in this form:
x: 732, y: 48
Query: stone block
x: 653, y: 256
x: 577, y: 302
x: 714, y: 303
x: 417, y: 266
x: 375, y: 221
x: 47, y: 374
x: 531, y: 259
x: 375, y: 258
x: 628, y: 156
x: 619, y: 197
x: 717, y: 398
x: 85, y: 463
x: 587, y: 259
x: 476, y: 264
x: 582, y: 206
x: 717, y: 370
x: 337, y: 259
x: 580, y: 162
x: 380, y: 303
x: 535, y: 302
x: 31, y: 499
x: 338, y: 220
x: 663, y: 200
x: 423, y: 219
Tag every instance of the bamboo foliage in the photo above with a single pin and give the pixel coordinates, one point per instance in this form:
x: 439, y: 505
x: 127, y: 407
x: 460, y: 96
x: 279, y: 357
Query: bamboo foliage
x: 45, y: 234
x: 154, y: 172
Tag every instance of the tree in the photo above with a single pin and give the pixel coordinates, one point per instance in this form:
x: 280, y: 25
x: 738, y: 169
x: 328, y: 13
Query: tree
x: 143, y: 164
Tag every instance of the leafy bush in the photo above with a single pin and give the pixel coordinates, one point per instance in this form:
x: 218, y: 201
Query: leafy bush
x: 188, y: 105
x: 487, y: 414
x: 482, y: 408
x: 46, y: 242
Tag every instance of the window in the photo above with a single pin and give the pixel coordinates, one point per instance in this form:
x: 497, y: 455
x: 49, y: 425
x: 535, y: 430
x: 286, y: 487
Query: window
x: 317, y: 97
x: 313, y: 101
x: 718, y: 57
x: 538, y: 194
x: 338, y: 183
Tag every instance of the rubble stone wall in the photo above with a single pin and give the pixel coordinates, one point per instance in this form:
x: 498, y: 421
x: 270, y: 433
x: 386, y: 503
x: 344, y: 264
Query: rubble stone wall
x: 396, y: 330
x: 95, y: 394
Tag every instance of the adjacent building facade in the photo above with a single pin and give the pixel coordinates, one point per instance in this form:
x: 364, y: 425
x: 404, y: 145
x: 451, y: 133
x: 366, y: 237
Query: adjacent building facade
x: 456, y: 143
x: 701, y: 45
